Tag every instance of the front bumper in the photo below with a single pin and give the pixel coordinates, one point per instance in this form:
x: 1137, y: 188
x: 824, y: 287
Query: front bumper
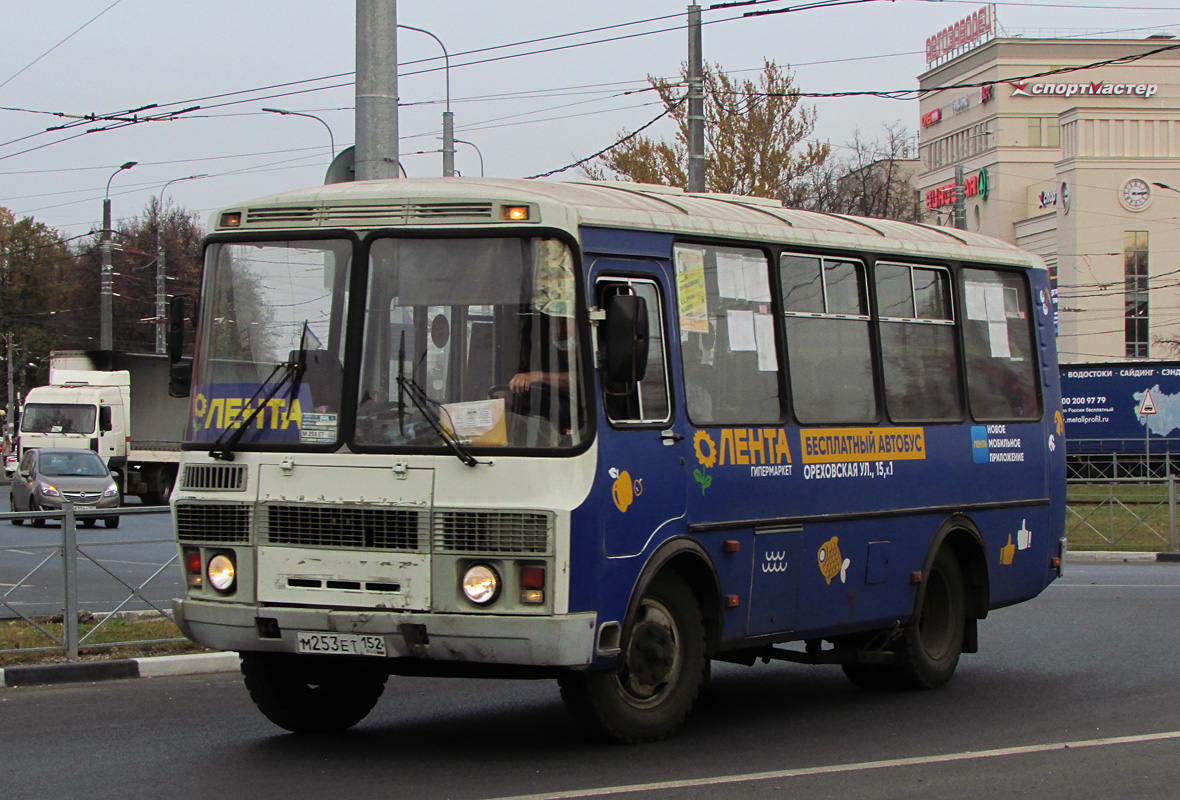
x: 566, y: 641
x: 52, y: 503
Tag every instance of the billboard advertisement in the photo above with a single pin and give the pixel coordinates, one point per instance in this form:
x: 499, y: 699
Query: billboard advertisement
x: 1117, y: 407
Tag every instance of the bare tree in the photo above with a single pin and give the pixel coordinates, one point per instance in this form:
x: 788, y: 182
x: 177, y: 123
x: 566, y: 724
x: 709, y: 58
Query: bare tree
x: 875, y: 178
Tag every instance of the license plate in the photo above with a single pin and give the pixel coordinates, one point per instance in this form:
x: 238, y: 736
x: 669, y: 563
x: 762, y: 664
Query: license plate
x: 348, y: 644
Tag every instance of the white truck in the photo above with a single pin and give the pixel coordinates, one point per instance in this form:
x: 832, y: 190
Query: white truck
x: 116, y: 404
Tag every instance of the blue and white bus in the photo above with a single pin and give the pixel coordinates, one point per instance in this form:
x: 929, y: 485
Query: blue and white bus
x: 605, y: 433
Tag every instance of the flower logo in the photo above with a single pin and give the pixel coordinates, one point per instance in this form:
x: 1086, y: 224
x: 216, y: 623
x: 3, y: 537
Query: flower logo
x: 702, y: 438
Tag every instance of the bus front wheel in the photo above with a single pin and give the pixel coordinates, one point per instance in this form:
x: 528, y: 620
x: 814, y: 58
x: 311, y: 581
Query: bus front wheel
x: 661, y: 673
x: 312, y: 694
x: 931, y: 645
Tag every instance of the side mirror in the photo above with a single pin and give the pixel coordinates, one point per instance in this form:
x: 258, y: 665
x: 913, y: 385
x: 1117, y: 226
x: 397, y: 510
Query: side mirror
x: 626, y: 334
x: 180, y: 373
x: 104, y: 419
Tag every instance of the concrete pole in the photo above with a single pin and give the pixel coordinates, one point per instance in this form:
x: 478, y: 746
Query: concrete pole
x: 448, y: 144
x: 161, y: 280
x: 106, y: 282
x: 10, y: 420
x: 696, y: 103
x: 376, y: 90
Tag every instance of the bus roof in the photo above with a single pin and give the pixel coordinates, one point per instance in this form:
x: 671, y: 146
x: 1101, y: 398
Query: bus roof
x: 477, y: 202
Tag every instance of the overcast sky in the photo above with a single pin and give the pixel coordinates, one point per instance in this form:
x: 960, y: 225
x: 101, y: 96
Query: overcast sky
x: 527, y: 114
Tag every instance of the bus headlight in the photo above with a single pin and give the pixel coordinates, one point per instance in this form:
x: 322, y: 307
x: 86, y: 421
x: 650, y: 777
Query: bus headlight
x: 481, y: 584
x: 221, y: 572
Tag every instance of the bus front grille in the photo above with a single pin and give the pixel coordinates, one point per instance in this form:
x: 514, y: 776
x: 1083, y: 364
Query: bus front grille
x: 214, y: 477
x: 491, y: 532
x: 220, y: 523
x: 338, y: 526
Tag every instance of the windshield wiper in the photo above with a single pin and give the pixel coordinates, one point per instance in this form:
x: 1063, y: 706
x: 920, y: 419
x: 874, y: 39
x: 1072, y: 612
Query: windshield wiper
x: 291, y: 371
x: 430, y: 410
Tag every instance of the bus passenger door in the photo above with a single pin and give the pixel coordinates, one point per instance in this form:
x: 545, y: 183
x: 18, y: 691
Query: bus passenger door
x: 640, y: 445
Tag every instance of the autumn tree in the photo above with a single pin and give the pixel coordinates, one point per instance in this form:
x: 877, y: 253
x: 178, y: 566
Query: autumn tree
x: 870, y: 178
x: 755, y: 138
x: 33, y: 260
x: 134, y: 265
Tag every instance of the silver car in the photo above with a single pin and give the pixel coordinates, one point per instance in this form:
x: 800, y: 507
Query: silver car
x: 47, y: 478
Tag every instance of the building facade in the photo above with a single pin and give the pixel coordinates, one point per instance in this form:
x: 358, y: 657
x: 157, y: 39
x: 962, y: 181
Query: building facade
x: 1069, y: 148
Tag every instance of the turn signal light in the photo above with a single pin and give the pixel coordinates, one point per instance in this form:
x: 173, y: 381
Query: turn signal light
x: 192, y: 567
x: 232, y: 219
x: 514, y: 213
x: 532, y: 585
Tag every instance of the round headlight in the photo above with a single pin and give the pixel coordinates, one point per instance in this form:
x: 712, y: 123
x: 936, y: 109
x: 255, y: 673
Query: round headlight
x: 481, y: 584
x: 221, y: 572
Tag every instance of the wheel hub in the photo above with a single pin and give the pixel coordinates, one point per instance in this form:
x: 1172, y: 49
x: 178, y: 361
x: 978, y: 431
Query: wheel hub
x: 653, y: 653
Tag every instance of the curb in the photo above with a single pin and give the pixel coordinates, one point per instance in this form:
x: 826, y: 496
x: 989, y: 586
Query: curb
x: 119, y: 669
x: 1117, y: 557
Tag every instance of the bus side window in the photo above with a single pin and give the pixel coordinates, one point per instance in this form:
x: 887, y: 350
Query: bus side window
x: 920, y: 361
x: 825, y: 302
x: 646, y: 401
x: 727, y: 335
x: 998, y: 337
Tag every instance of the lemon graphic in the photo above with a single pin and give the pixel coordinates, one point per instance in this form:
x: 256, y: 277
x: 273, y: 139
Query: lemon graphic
x: 622, y: 491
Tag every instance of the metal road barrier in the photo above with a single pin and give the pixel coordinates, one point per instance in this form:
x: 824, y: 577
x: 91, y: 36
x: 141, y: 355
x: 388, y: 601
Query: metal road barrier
x: 1115, y: 510
x: 69, y: 552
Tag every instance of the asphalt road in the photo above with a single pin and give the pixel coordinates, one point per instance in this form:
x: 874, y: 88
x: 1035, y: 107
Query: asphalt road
x: 1090, y: 664
x: 131, y: 553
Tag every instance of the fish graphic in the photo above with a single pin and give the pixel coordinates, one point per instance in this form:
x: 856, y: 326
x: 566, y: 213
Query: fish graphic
x: 830, y: 562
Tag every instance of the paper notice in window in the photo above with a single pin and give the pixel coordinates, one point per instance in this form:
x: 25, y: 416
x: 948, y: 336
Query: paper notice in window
x: 998, y: 333
x: 480, y: 422
x: 757, y: 287
x: 995, y: 303
x: 764, y: 335
x: 741, y: 331
x: 976, y: 300
x: 690, y: 291
x: 731, y: 277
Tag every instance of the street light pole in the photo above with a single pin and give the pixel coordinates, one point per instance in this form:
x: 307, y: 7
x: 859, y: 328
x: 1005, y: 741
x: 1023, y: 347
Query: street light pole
x: 107, y: 288
x: 448, y: 117
x: 285, y: 113
x: 161, y: 290
x: 477, y: 152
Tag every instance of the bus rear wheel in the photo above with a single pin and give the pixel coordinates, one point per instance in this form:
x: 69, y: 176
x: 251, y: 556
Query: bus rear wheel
x: 661, y: 673
x: 931, y: 645
x: 312, y: 694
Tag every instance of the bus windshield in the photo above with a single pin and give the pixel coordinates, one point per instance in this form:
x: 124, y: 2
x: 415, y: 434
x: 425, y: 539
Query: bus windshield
x: 467, y: 341
x: 272, y: 337
x: 476, y: 336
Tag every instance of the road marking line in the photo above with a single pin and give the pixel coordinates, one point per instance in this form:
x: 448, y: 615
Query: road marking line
x: 1120, y: 586
x: 838, y: 768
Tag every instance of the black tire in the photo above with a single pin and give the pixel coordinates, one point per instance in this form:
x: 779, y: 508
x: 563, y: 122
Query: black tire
x: 660, y: 674
x: 89, y: 522
x: 111, y: 522
x: 931, y: 645
x: 312, y: 694
x: 12, y: 507
x: 37, y: 523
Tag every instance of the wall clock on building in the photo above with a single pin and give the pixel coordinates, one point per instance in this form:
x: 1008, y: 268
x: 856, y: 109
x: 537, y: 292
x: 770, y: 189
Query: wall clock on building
x: 1136, y: 194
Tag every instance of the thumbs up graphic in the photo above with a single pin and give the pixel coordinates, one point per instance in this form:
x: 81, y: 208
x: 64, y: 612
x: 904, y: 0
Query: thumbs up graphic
x: 1007, y: 552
